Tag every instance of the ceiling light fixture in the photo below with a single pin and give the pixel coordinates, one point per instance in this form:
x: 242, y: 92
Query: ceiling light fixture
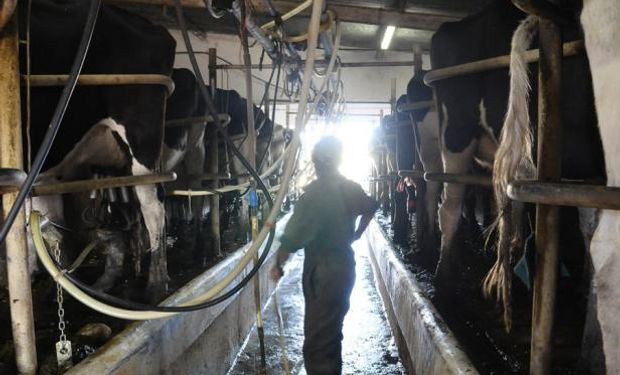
x: 387, y: 37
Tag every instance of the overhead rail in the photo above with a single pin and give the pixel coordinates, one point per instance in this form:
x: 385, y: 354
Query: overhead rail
x: 50, y: 80
x: 92, y: 184
x: 180, y: 123
x: 565, y: 194
x: 361, y: 64
x: 533, y: 55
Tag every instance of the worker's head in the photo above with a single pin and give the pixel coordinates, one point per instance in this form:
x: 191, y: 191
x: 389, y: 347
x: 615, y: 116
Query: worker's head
x: 326, y: 156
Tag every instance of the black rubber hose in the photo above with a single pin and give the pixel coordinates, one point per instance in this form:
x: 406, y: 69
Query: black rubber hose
x: 59, y: 113
x: 131, y: 305
x: 273, y: 120
x: 211, y: 108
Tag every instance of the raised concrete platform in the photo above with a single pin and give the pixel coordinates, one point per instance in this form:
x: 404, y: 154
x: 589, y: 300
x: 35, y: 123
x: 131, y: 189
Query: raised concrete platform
x: 425, y: 343
x: 201, y: 342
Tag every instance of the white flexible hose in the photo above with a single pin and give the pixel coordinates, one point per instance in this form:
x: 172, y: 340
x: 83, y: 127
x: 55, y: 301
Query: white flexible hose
x: 291, y: 153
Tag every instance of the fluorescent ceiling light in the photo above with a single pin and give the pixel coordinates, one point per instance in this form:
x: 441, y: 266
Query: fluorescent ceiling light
x: 387, y: 37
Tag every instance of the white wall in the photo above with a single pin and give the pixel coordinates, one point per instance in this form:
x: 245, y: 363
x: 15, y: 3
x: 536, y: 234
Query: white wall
x: 361, y: 84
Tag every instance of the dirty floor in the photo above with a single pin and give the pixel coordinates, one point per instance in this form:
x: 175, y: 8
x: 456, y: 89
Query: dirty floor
x: 368, y: 346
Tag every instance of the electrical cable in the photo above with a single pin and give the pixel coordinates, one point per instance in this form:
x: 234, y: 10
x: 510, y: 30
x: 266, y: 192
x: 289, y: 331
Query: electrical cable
x: 59, y: 112
x: 273, y: 120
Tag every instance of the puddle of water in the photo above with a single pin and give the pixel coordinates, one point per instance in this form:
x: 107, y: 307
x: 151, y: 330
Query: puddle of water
x: 368, y: 345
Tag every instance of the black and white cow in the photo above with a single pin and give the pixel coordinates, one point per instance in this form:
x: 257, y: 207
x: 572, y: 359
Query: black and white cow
x: 111, y: 130
x: 399, y: 142
x: 600, y: 20
x: 471, y: 107
x: 426, y: 124
x: 472, y: 110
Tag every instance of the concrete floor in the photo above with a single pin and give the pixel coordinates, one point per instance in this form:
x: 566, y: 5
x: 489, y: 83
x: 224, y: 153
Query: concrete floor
x: 368, y: 346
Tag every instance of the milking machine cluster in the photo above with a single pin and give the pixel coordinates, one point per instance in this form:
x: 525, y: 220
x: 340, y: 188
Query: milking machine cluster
x: 109, y: 208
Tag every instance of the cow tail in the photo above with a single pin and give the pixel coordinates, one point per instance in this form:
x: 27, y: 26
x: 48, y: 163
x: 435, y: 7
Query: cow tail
x: 512, y: 160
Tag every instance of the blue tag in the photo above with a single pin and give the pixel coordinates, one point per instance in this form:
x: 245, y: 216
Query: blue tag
x: 253, y: 198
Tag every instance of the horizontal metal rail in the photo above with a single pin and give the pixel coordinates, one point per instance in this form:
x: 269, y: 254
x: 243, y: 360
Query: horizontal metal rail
x: 369, y: 64
x: 398, y: 124
x: 12, y: 177
x: 380, y: 179
x: 408, y: 107
x: 568, y: 49
x: 180, y: 123
x: 51, y: 80
x: 565, y: 194
x: 93, y: 184
x: 207, y: 177
x: 455, y: 178
x: 411, y: 173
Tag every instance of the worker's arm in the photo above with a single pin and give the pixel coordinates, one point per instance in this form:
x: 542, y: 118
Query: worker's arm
x: 281, y: 258
x: 298, y: 233
x: 361, y: 227
x: 366, y: 207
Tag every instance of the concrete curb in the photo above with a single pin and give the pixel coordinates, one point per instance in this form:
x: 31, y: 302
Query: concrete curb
x: 426, y: 344
x: 201, y: 342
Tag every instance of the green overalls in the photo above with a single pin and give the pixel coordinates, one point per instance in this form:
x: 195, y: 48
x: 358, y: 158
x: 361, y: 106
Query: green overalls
x: 323, y: 223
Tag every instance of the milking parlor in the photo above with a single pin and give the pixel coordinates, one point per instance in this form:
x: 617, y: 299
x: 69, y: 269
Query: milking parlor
x: 320, y: 187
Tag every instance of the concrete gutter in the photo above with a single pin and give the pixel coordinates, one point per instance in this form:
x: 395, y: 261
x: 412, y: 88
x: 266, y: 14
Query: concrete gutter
x: 425, y: 343
x: 201, y: 342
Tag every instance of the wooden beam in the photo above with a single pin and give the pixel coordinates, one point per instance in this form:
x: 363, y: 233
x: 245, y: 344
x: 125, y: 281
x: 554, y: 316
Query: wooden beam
x: 348, y: 13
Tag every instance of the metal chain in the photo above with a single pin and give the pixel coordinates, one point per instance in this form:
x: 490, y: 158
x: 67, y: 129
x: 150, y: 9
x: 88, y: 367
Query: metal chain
x: 59, y: 299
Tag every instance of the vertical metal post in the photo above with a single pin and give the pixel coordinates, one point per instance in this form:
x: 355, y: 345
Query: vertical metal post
x: 20, y: 294
x: 393, y: 95
x: 417, y: 59
x: 420, y: 190
x: 214, y: 162
x: 249, y: 151
x: 547, y: 217
x: 288, y: 119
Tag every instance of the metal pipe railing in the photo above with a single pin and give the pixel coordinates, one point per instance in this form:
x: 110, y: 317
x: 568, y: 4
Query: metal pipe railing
x: 411, y: 173
x: 50, y: 80
x: 12, y: 177
x: 92, y: 184
x: 568, y: 49
x: 455, y: 178
x: 408, y: 107
x: 364, y: 64
x: 11, y: 156
x: 564, y: 194
x: 179, y: 123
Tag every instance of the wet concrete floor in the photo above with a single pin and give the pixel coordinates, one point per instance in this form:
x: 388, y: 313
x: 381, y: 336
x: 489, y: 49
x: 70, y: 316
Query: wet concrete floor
x: 368, y: 345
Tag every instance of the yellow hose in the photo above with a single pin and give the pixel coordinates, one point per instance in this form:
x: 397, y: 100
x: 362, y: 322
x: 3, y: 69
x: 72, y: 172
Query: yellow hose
x: 292, y: 13
x: 325, y: 26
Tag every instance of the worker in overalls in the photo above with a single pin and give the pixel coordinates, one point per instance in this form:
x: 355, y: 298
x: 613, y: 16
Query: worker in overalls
x: 323, y: 223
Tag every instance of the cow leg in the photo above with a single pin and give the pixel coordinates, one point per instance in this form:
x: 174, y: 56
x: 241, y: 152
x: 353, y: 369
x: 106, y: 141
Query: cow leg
x: 430, y: 156
x: 152, y: 210
x: 450, y: 211
x: 114, y: 244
